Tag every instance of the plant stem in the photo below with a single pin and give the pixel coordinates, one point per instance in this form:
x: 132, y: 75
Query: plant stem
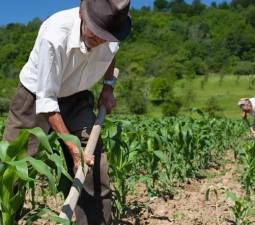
x: 8, y: 219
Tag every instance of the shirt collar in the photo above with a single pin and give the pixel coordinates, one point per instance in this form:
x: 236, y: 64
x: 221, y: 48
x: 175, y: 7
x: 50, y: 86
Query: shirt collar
x: 74, y: 39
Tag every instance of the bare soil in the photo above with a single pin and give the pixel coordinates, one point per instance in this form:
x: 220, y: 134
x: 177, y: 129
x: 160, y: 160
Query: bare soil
x: 188, y: 207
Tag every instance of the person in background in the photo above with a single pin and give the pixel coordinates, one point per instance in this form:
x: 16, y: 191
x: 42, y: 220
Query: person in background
x: 247, y: 106
x: 74, y: 49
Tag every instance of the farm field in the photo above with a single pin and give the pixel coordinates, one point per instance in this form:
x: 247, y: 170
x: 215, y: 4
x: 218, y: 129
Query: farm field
x: 178, y: 151
x: 168, y: 171
x: 226, y: 89
x: 188, y: 206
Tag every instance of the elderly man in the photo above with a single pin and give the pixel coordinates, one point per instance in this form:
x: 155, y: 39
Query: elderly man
x: 247, y: 106
x: 73, y: 50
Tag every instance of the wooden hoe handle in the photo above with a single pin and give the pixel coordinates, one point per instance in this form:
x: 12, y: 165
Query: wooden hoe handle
x: 74, y: 193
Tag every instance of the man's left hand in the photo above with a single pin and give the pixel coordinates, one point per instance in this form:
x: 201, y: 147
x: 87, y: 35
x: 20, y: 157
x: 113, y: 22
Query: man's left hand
x: 252, y: 132
x: 107, y: 98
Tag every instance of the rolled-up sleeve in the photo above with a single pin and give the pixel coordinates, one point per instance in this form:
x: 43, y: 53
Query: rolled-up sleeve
x: 48, y: 83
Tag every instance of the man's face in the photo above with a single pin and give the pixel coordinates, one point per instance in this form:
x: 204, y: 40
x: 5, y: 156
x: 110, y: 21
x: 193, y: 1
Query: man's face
x: 247, y: 107
x: 89, y: 38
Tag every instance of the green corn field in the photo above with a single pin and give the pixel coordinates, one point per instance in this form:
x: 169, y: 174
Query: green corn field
x: 161, y: 153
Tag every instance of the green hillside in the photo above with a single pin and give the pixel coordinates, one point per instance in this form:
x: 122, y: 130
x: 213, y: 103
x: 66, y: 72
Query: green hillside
x: 227, y: 90
x: 171, y: 44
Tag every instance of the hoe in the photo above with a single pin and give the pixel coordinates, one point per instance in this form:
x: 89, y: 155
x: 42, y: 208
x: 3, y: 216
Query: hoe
x: 73, y: 196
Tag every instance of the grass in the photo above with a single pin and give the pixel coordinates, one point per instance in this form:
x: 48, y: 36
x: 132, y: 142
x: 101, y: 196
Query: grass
x: 226, y: 89
x: 8, y: 87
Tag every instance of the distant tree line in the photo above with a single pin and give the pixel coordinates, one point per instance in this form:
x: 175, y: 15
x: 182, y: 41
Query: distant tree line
x: 173, y: 40
x: 196, y: 7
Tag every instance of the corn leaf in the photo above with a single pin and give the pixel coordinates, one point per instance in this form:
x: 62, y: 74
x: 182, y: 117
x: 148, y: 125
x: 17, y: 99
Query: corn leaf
x: 3, y: 150
x: 43, y: 169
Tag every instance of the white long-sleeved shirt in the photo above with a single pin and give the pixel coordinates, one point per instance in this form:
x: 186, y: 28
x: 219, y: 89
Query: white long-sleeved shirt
x: 60, y: 64
x: 252, y: 101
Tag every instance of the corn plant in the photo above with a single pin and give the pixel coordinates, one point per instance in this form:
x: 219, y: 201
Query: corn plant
x: 18, y: 171
x: 2, y: 125
x: 162, y: 153
x: 121, y: 159
x: 46, y: 214
x: 242, y: 209
x: 248, y: 176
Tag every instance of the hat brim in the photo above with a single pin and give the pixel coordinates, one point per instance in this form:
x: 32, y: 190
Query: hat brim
x: 106, y: 35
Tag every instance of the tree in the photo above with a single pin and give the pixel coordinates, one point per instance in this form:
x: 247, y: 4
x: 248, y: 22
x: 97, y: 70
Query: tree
x: 250, y: 16
x: 197, y: 7
x: 244, y: 68
x: 214, y: 4
x: 146, y: 8
x: 161, y: 5
x: 34, y: 25
x: 240, y: 42
x: 243, y: 3
x: 223, y: 5
x: 179, y: 6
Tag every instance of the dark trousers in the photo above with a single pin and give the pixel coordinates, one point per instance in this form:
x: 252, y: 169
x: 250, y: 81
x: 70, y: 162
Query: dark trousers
x: 94, y: 204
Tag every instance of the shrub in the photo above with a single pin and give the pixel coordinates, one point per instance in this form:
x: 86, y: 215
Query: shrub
x: 4, y: 105
x: 137, y: 103
x: 161, y: 88
x: 250, y: 16
x: 244, y: 68
x: 171, y: 108
x: 212, y: 107
x: 199, y: 66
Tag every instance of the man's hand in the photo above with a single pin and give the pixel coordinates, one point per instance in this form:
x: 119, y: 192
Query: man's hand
x: 107, y: 98
x: 88, y: 159
x: 57, y: 123
x: 243, y: 115
x: 252, y: 132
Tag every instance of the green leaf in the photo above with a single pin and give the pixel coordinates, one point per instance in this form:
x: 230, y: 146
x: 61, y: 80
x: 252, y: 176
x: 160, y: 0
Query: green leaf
x: 17, y: 200
x: 112, y: 131
x: 161, y: 155
x: 61, y: 220
x: 59, y: 163
x: 18, y: 147
x: 46, y: 213
x: 208, y: 191
x: 43, y: 169
x: 41, y: 137
x: 232, y: 196
x: 21, y: 169
x: 2, y: 169
x: 3, y: 150
x: 72, y: 138
x: 8, y: 182
x: 132, y: 156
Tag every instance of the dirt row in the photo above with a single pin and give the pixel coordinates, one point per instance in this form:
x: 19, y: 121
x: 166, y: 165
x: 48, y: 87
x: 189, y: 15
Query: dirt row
x: 188, y: 207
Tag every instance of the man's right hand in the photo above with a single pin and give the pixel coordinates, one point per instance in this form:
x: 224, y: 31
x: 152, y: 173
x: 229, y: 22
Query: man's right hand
x: 56, y: 121
x: 74, y: 151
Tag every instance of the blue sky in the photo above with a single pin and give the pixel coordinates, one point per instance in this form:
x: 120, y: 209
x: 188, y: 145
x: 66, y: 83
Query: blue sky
x: 23, y: 11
